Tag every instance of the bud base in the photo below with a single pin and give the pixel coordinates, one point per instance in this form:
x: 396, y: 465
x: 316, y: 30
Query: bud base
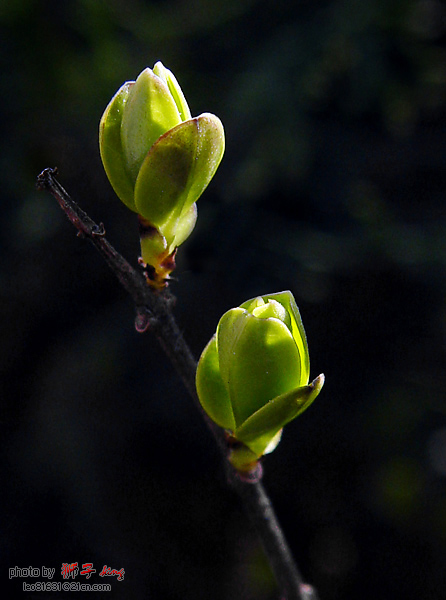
x: 157, y: 259
x: 158, y: 276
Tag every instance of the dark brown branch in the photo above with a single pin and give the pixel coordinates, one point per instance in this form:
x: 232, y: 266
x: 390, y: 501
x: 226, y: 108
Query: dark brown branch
x: 153, y: 311
x: 281, y: 561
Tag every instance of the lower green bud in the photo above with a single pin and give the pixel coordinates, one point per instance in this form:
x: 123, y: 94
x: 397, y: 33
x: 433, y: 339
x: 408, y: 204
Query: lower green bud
x: 252, y: 377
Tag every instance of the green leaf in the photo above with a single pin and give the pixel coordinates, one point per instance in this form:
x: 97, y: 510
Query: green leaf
x: 272, y: 309
x: 176, y: 171
x: 259, y: 360
x: 150, y: 111
x: 286, y: 298
x: 174, y: 87
x: 211, y: 389
x: 110, y: 146
x: 261, y: 427
x: 184, y: 227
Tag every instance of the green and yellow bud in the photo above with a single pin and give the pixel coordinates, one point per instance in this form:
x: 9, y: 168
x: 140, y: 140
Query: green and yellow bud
x: 159, y: 160
x: 253, y: 376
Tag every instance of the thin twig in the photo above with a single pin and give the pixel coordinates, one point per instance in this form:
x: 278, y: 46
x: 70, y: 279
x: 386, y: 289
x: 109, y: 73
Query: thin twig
x: 154, y: 312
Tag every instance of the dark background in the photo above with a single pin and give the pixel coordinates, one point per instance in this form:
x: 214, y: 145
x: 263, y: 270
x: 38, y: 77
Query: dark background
x: 333, y: 186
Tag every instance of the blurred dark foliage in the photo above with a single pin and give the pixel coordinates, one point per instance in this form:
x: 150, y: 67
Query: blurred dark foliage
x: 333, y: 185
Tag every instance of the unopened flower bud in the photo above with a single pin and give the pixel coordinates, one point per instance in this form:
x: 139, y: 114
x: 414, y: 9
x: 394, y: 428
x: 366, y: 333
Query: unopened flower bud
x: 159, y: 161
x: 253, y: 376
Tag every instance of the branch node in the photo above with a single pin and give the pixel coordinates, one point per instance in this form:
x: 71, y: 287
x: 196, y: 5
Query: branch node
x: 98, y: 230
x: 253, y: 476
x: 144, y: 319
x: 308, y: 592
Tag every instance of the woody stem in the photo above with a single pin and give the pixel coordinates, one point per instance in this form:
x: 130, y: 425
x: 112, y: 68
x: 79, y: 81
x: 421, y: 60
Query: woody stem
x: 153, y: 311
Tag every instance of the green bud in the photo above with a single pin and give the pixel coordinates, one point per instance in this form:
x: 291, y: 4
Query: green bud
x: 159, y: 161
x: 253, y: 376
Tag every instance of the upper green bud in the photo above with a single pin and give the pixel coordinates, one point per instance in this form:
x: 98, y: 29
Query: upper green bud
x: 253, y: 376
x: 159, y: 160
